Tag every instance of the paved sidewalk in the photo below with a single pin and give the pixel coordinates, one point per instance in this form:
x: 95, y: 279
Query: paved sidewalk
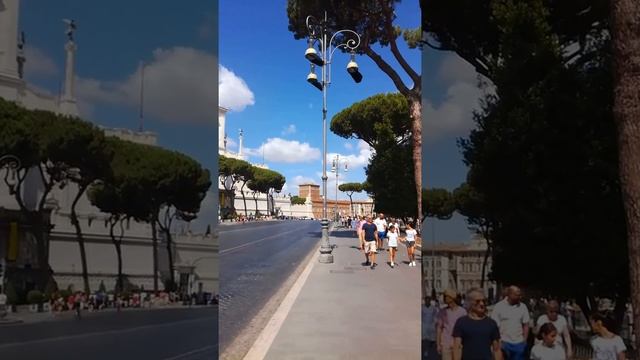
x: 348, y: 311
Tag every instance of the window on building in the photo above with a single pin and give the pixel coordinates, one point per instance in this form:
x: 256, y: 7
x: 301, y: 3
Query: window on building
x: 438, y: 284
x: 438, y: 263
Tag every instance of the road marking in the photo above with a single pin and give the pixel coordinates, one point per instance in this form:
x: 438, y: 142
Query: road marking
x: 262, y: 345
x: 193, y: 352
x: 118, y: 331
x: 255, y: 242
x: 220, y: 231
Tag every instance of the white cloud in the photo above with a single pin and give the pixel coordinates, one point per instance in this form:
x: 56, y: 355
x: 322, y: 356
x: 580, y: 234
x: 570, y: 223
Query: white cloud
x: 285, y: 151
x: 348, y: 146
x: 299, y: 179
x: 233, y: 91
x: 178, y: 87
x: 354, y: 161
x: 291, y: 129
x: 454, y: 116
x: 38, y: 64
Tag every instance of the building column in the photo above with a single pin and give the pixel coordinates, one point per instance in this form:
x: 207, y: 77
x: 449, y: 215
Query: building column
x: 68, y: 104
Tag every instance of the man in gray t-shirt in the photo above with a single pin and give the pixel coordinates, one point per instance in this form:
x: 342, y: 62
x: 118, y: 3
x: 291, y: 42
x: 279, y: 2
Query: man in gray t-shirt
x: 513, y: 319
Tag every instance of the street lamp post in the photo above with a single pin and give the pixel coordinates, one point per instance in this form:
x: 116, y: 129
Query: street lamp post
x: 12, y: 163
x: 335, y: 167
x: 318, y: 33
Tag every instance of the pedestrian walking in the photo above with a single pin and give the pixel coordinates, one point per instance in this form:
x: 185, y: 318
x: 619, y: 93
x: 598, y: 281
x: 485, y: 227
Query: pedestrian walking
x: 445, y: 322
x: 381, y: 225
x: 429, y: 336
x: 410, y: 242
x: 560, y: 324
x: 606, y: 344
x: 370, y: 235
x: 548, y: 348
x: 512, y: 317
x: 77, y: 305
x: 476, y: 336
x: 392, y: 243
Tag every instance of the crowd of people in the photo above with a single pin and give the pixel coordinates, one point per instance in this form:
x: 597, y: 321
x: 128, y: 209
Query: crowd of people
x: 465, y: 329
x: 79, y: 301
x: 372, y: 234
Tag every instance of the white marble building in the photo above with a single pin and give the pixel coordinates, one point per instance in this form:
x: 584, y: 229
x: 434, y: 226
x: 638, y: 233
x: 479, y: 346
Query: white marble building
x: 195, y: 256
x: 456, y: 266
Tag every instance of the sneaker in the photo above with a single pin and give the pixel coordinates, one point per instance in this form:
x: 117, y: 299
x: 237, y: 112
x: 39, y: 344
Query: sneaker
x: 414, y: 263
x: 392, y: 265
x: 373, y: 266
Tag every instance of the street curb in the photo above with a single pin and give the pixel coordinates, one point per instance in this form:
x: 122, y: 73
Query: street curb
x: 263, y: 343
x: 11, y: 322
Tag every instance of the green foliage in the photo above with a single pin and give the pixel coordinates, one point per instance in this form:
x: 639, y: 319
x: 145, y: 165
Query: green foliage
x: 390, y: 183
x: 384, y: 122
x: 297, y: 200
x: 543, y: 161
x: 438, y: 203
x: 65, y: 293
x: 351, y: 188
x: 381, y: 121
x: 35, y: 297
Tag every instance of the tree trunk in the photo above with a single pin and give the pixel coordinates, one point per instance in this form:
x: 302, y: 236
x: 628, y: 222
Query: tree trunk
x: 351, y: 203
x: 40, y: 233
x: 117, y: 244
x: 244, y: 198
x: 154, y: 237
x: 626, y: 50
x: 255, y: 198
x: 484, y: 265
x: 83, y: 253
x: 415, y: 105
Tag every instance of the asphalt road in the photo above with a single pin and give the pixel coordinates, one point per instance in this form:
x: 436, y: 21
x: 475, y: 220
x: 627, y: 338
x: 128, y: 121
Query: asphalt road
x: 162, y: 334
x: 255, y: 260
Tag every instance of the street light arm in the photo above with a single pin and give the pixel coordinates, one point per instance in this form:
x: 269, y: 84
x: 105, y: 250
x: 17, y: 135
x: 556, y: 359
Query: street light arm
x: 350, y: 44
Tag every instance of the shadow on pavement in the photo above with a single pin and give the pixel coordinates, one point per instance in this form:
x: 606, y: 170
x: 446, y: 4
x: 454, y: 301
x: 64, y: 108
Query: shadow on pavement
x: 344, y: 234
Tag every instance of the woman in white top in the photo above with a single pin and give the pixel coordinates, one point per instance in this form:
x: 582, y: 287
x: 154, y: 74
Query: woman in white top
x: 410, y: 242
x: 560, y: 323
x: 548, y: 347
x: 392, y: 243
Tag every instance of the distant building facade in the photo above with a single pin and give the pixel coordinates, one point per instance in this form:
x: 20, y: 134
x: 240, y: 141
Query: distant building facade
x: 246, y: 204
x: 455, y: 266
x: 17, y: 245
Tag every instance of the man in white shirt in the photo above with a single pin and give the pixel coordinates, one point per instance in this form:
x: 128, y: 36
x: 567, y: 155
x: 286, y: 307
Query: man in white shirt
x: 513, y: 319
x: 381, y: 224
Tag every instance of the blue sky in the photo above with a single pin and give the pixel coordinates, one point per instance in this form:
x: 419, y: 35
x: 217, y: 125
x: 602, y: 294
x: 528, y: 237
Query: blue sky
x: 263, y: 80
x: 177, y: 45
x: 450, y: 94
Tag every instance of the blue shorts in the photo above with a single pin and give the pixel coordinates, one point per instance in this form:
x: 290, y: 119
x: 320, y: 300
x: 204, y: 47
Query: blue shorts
x: 381, y: 234
x: 514, y: 351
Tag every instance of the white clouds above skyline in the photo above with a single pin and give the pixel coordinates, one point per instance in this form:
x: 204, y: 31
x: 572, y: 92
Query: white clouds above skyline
x: 354, y: 160
x: 178, y: 87
x: 454, y: 116
x: 279, y: 150
x: 233, y: 90
x: 38, y: 64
